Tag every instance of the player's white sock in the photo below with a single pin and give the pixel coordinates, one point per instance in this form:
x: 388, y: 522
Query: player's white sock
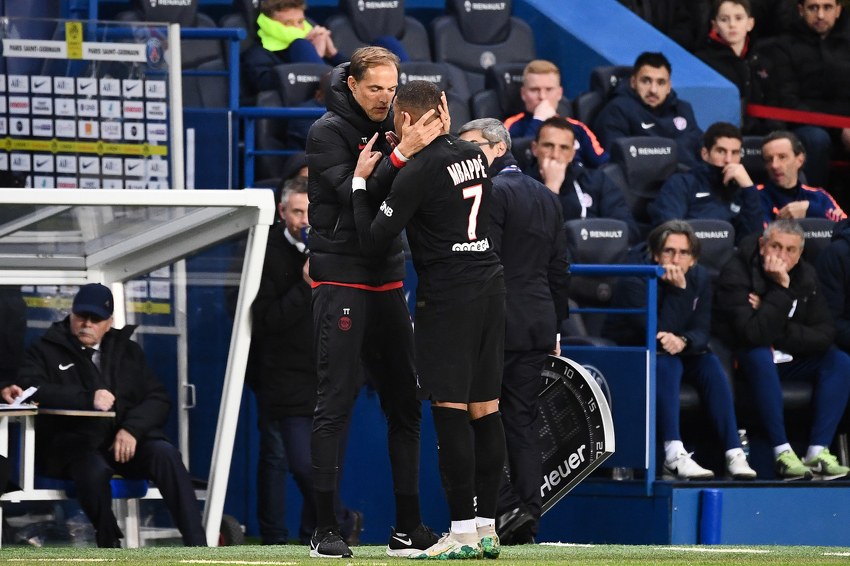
x: 485, y: 522
x: 777, y: 450
x: 466, y: 526
x: 814, y: 450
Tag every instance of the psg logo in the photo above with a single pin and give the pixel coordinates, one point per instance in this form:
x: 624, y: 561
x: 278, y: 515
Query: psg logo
x: 344, y: 323
x: 153, y: 49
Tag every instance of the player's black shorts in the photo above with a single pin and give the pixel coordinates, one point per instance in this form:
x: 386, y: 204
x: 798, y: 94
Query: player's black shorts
x: 460, y: 351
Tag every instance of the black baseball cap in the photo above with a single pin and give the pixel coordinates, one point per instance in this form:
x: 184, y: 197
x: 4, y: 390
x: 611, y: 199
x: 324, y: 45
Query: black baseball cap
x: 94, y: 298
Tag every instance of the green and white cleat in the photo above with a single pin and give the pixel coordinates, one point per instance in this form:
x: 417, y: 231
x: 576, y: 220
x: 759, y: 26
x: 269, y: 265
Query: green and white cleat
x: 489, y: 541
x: 453, y: 546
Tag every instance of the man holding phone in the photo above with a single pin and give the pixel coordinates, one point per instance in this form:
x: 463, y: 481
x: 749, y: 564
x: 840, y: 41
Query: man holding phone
x: 719, y: 187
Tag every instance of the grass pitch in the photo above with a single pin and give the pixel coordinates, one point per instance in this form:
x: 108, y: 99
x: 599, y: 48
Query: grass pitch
x: 542, y: 555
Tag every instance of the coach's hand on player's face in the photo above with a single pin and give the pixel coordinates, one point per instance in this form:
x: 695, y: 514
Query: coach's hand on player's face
x: 444, y: 114
x: 415, y: 137
x: 392, y: 139
x: 367, y: 160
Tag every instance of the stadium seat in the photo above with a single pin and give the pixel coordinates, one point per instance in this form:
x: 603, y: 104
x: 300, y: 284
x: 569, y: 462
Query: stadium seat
x: 751, y: 158
x: 298, y: 82
x: 595, y: 241
x: 501, y: 97
x: 640, y: 165
x: 358, y: 24
x: 238, y: 21
x: 475, y: 40
x: 587, y: 105
x: 521, y: 150
x: 818, y: 236
x: 717, y: 240
x: 269, y: 134
x: 605, y: 79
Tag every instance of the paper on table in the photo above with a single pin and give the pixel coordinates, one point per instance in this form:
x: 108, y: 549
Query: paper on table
x: 24, y: 396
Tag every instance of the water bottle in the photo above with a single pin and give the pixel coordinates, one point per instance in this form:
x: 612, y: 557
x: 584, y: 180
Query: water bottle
x: 745, y: 442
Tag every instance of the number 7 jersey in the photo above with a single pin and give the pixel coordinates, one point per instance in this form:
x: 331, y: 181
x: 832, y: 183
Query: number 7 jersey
x: 442, y: 196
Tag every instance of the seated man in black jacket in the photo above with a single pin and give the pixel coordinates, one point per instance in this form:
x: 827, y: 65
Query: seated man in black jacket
x: 834, y: 274
x: 527, y: 231
x: 719, y: 187
x: 82, y: 363
x: 779, y: 326
x: 583, y: 193
x: 684, y: 324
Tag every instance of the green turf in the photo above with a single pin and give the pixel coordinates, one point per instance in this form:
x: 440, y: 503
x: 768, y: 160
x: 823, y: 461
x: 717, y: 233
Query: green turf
x: 542, y: 555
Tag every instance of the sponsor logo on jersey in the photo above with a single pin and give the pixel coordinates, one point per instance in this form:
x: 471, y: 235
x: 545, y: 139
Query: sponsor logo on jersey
x: 344, y: 323
x: 386, y: 209
x: 467, y: 170
x: 478, y: 246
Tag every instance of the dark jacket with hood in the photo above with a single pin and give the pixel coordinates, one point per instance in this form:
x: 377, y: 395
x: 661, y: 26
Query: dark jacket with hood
x: 284, y: 379
x: 333, y: 146
x: 66, y: 377
x: 683, y: 312
x: 603, y: 198
x: 814, y: 73
x: 752, y: 73
x: 527, y: 231
x: 796, y: 320
x: 834, y: 273
x: 700, y: 193
x: 627, y: 115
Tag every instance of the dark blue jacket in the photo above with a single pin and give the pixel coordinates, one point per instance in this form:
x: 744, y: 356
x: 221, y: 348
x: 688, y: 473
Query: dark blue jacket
x: 606, y: 198
x: 590, y: 152
x: 834, y: 274
x: 684, y: 312
x: 700, y: 193
x: 258, y: 64
x: 527, y: 231
x: 821, y: 203
x: 627, y: 115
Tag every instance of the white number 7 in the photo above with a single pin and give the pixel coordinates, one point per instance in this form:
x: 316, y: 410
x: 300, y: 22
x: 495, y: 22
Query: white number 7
x: 473, y: 192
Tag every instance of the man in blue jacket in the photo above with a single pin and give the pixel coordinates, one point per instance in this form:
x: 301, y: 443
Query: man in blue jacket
x: 583, y: 193
x: 684, y: 324
x: 648, y: 106
x: 834, y: 274
x: 527, y: 231
x: 719, y: 187
x: 784, y: 196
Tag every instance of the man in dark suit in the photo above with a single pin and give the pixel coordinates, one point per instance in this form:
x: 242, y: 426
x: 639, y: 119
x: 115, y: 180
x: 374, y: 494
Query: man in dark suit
x: 527, y: 232
x: 83, y: 363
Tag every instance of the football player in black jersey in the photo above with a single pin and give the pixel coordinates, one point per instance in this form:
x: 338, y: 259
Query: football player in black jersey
x: 442, y: 196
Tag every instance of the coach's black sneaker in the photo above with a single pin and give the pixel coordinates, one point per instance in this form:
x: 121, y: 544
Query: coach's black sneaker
x: 403, y: 544
x: 327, y: 543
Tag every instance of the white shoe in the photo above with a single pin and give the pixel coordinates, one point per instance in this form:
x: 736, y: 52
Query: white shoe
x: 453, y: 546
x: 684, y: 468
x: 737, y: 467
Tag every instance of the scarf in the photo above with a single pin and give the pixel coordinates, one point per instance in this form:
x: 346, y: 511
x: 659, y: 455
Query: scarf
x: 276, y: 36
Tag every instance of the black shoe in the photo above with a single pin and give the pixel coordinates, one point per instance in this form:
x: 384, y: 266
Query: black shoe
x: 523, y: 535
x: 353, y: 538
x: 510, y: 522
x: 403, y: 544
x: 326, y: 543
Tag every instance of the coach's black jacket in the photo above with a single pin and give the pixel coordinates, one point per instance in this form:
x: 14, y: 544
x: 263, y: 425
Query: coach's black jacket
x: 834, y: 274
x: 333, y: 146
x: 527, y: 232
x: 807, y: 332
x: 66, y: 378
x: 284, y: 373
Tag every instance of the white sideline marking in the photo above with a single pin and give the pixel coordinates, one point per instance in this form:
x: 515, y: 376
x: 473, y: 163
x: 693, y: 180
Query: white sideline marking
x: 566, y: 544
x: 236, y: 562
x: 836, y: 553
x: 735, y: 550
x: 61, y: 559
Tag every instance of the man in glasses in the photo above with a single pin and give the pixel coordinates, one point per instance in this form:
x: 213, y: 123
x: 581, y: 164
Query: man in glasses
x: 82, y: 363
x: 684, y: 323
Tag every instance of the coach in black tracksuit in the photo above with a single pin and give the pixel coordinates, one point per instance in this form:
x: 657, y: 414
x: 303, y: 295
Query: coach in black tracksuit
x: 359, y: 309
x: 527, y: 231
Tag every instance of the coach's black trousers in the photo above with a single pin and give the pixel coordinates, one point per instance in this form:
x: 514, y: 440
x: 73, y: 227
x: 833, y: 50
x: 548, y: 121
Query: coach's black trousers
x: 156, y: 460
x: 521, y: 386
x: 352, y: 327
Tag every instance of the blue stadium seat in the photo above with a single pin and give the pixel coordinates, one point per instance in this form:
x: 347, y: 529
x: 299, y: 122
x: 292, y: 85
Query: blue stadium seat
x: 359, y: 23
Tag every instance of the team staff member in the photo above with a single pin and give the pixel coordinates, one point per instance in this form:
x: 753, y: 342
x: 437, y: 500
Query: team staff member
x: 359, y: 310
x: 528, y: 235
x: 443, y: 198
